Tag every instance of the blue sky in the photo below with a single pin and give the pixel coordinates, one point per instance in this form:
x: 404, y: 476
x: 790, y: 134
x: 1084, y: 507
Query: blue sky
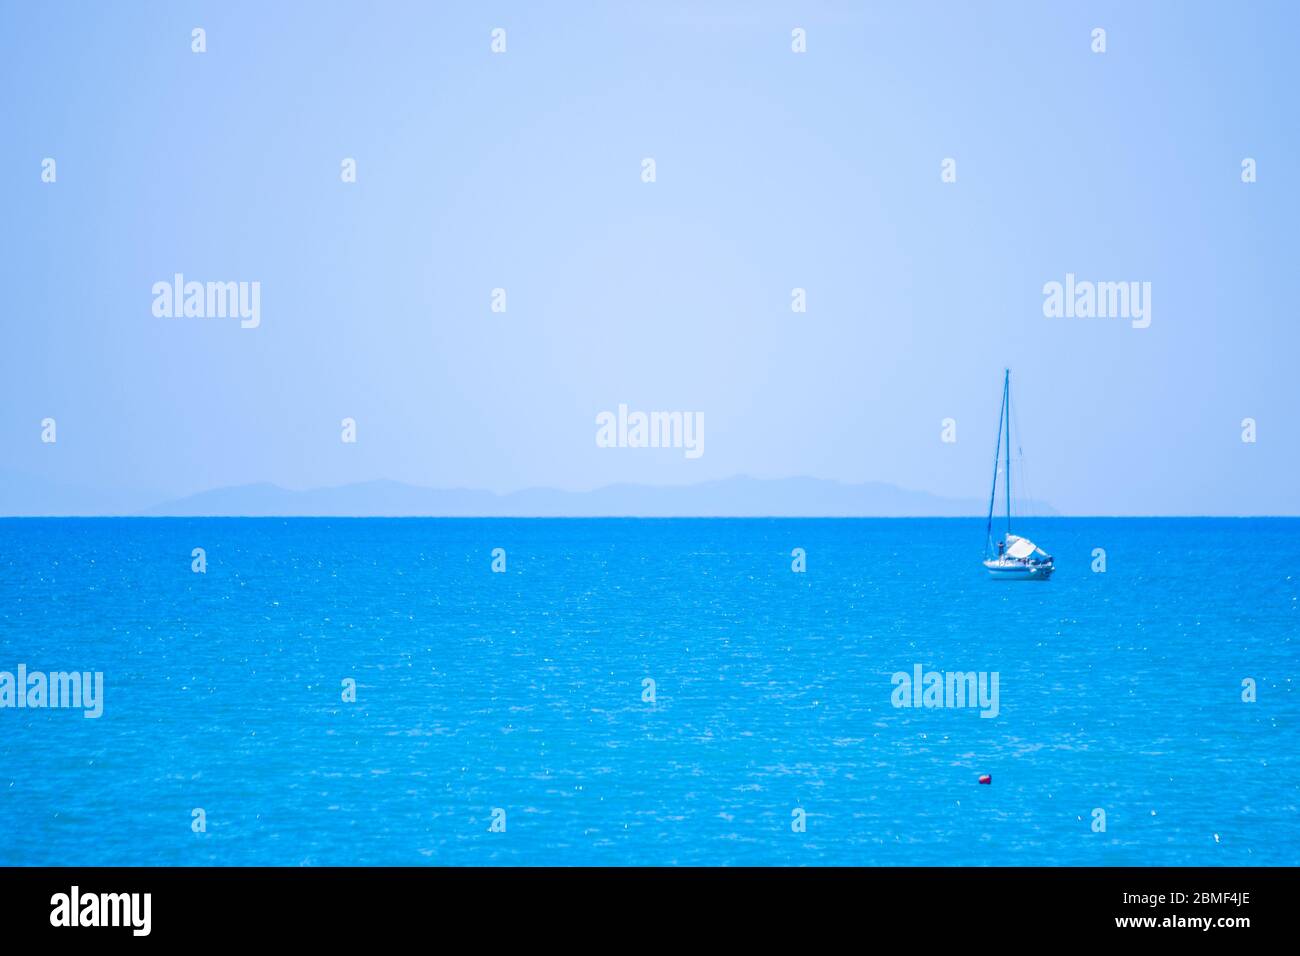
x: 775, y: 170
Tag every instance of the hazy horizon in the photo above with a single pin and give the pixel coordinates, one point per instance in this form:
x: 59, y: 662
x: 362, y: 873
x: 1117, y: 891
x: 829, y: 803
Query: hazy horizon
x: 740, y: 496
x: 915, y: 179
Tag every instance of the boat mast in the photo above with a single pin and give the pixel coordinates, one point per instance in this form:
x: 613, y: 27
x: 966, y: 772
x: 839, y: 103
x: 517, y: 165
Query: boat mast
x: 1006, y: 397
x: 997, y: 451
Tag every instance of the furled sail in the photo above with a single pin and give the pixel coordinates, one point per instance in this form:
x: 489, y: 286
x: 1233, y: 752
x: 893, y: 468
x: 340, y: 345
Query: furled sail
x: 1018, y: 547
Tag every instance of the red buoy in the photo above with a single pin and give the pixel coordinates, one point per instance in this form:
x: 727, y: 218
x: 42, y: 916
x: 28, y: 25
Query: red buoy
x: 986, y: 778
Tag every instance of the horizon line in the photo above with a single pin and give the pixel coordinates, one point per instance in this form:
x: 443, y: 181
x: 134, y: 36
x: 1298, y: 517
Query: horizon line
x: 614, y: 517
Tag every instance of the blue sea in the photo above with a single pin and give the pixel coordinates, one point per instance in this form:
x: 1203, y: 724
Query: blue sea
x: 522, y: 697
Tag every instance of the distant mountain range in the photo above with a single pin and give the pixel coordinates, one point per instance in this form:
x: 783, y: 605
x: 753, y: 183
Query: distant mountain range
x: 731, y: 497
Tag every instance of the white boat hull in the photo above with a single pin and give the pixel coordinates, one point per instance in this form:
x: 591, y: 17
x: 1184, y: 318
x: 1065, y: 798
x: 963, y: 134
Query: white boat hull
x: 1018, y: 571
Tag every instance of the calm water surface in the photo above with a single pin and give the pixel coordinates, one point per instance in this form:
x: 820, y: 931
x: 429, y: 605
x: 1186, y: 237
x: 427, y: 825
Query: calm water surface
x: 523, y: 691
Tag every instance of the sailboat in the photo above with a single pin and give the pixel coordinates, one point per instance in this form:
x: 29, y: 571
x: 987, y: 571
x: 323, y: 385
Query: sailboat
x: 1015, y: 557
